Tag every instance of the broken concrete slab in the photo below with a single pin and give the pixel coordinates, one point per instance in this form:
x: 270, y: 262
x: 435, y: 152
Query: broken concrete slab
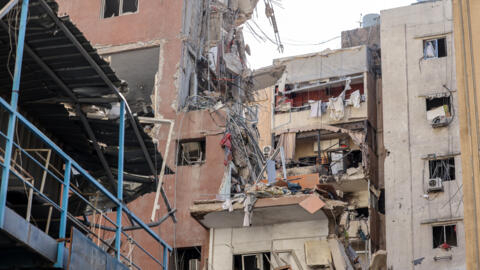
x: 317, y: 253
x: 340, y: 259
x: 312, y: 204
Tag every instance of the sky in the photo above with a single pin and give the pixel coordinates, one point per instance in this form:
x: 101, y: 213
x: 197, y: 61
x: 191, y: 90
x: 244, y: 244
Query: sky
x: 304, y: 23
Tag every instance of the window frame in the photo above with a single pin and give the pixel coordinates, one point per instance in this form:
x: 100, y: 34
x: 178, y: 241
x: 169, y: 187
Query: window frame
x: 203, y: 146
x: 444, y: 233
x: 120, y: 9
x: 446, y: 159
x: 435, y: 44
x: 264, y: 257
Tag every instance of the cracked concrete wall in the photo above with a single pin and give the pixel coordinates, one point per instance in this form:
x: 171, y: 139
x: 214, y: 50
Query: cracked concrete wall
x: 153, y: 36
x: 287, y: 236
x: 409, y: 136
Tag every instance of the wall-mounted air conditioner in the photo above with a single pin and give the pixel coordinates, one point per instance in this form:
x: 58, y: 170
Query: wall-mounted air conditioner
x: 435, y: 184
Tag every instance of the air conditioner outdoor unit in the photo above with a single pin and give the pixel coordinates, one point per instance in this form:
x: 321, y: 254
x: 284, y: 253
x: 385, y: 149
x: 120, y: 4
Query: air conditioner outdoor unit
x: 440, y: 121
x: 267, y: 150
x: 435, y: 184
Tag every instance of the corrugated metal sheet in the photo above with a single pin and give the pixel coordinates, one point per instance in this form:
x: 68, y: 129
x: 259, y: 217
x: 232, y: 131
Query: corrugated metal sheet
x: 41, y: 98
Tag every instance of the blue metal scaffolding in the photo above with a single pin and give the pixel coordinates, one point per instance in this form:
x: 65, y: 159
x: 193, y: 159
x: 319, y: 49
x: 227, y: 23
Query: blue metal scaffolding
x: 70, y: 166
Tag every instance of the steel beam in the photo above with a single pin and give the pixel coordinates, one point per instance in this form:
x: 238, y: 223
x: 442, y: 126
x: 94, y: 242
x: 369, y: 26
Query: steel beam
x: 12, y: 115
x: 71, y: 95
x: 4, y: 11
x: 92, y: 137
x: 80, y: 170
x: 64, y: 213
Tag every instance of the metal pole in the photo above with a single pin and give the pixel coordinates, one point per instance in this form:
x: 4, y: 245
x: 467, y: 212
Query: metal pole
x: 284, y: 168
x: 165, y: 258
x: 156, y: 206
x: 121, y: 142
x: 4, y: 11
x: 12, y: 118
x: 63, y: 216
x: 319, y: 148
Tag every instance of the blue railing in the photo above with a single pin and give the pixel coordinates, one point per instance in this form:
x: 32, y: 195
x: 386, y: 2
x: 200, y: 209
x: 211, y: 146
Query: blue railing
x: 69, y: 166
x: 63, y: 207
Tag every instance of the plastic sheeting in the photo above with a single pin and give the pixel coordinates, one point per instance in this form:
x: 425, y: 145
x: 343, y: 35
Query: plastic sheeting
x: 356, y: 98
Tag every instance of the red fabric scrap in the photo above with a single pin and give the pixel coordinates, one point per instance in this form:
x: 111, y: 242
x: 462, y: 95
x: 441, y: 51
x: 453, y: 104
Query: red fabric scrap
x: 226, y: 143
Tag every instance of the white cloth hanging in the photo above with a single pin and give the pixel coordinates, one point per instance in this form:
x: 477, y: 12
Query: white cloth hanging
x: 316, y: 109
x: 336, y: 107
x: 355, y: 98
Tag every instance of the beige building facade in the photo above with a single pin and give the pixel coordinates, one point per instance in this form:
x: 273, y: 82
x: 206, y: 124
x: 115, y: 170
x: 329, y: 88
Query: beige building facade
x: 423, y: 174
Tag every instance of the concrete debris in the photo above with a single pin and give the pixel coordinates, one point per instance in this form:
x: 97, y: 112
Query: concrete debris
x: 312, y: 204
x: 379, y: 260
x: 321, y: 179
x: 317, y: 253
x: 340, y: 258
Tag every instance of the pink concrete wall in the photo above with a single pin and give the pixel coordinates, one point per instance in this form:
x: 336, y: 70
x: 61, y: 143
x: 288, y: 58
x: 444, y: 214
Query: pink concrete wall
x: 162, y: 19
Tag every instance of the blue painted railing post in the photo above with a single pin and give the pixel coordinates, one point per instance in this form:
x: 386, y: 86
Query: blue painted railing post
x: 63, y: 216
x: 165, y: 258
x: 12, y: 118
x: 121, y: 142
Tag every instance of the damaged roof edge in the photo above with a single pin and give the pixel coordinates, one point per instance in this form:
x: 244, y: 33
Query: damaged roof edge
x: 325, y: 53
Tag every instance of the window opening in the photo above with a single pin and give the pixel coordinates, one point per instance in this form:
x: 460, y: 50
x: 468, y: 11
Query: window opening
x: 434, y: 48
x: 256, y: 261
x: 354, y: 159
x: 186, y: 258
x: 444, y: 236
x: 381, y: 202
x: 442, y: 168
x: 113, y: 8
x: 439, y: 111
x: 130, y: 6
x: 191, y: 152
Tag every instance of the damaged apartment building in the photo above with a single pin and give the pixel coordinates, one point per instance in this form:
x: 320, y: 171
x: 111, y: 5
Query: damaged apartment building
x: 185, y: 66
x: 423, y: 174
x: 318, y: 201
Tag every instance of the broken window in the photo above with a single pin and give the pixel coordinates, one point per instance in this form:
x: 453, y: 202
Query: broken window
x: 442, y: 168
x: 444, y: 236
x: 112, y: 8
x: 439, y: 111
x: 257, y: 261
x: 191, y: 152
x: 186, y: 258
x: 138, y: 68
x: 434, y: 48
x: 381, y: 202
